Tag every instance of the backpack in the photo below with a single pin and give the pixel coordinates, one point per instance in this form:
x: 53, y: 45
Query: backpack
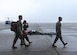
x: 13, y: 26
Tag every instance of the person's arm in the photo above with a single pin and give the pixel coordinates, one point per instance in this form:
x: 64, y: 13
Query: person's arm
x: 27, y: 25
x: 19, y: 28
x: 58, y: 28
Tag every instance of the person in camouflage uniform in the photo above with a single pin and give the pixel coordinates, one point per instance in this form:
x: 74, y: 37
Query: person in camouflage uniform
x: 58, y: 33
x: 25, y: 26
x: 18, y: 33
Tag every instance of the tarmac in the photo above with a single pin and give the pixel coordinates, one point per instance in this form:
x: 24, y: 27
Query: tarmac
x: 41, y: 44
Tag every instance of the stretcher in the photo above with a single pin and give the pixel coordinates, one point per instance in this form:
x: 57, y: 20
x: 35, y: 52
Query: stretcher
x: 34, y: 32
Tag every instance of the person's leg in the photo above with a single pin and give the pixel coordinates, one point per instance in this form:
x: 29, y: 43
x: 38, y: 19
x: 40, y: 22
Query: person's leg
x: 14, y: 41
x: 55, y: 41
x: 62, y: 41
x: 23, y: 42
x: 27, y: 39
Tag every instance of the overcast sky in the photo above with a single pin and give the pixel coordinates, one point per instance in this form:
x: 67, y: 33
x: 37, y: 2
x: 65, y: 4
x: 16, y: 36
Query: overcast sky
x: 40, y: 11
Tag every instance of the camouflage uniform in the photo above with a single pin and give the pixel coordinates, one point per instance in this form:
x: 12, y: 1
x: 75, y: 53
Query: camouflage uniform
x: 18, y: 33
x: 58, y: 33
